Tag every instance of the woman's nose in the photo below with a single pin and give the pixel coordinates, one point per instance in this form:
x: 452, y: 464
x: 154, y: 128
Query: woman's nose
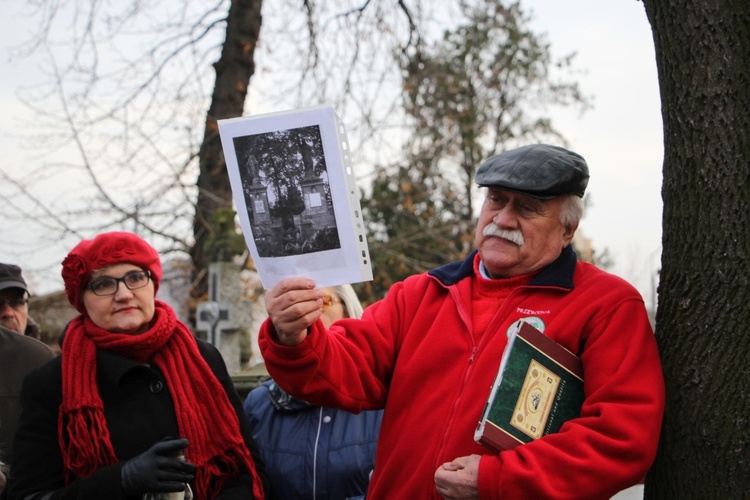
x: 123, y: 292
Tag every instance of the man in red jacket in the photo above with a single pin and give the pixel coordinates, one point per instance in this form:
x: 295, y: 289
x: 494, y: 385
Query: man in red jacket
x: 429, y: 351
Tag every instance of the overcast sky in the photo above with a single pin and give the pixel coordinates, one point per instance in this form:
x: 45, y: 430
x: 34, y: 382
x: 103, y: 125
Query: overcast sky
x: 621, y: 137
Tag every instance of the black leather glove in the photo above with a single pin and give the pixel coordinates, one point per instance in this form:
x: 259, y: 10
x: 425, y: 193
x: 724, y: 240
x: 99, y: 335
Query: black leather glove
x: 157, y: 470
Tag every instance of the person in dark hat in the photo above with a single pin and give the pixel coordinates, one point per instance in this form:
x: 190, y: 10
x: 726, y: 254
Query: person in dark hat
x: 429, y: 352
x: 19, y: 354
x: 14, y: 299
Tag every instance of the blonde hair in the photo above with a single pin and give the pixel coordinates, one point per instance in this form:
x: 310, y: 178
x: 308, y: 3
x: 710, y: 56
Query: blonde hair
x: 350, y: 301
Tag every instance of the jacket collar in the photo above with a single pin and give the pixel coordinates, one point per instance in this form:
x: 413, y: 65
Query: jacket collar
x: 117, y: 367
x: 282, y: 401
x: 558, y: 274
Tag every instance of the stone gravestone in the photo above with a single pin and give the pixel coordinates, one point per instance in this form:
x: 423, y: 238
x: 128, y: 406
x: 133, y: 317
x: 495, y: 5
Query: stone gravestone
x: 216, y: 317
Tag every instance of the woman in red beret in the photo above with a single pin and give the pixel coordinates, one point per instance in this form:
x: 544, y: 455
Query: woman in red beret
x: 136, y: 404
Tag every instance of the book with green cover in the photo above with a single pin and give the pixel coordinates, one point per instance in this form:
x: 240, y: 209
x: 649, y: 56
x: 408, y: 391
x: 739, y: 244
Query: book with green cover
x: 539, y: 386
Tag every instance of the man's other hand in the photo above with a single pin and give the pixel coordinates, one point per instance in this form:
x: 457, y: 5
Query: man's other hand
x: 459, y: 478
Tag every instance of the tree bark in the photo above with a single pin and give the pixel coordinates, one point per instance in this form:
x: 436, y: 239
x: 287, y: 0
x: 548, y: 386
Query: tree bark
x: 234, y: 69
x: 703, y: 319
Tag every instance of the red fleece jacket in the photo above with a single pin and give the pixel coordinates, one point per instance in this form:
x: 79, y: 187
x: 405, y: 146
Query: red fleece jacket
x: 413, y: 354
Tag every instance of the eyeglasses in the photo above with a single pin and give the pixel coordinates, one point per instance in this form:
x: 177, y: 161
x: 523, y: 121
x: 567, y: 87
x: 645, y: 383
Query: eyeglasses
x: 14, y: 303
x: 107, y: 285
x: 328, y: 301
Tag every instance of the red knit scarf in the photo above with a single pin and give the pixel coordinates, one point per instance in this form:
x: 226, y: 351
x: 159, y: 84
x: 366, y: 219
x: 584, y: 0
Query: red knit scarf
x: 204, y: 413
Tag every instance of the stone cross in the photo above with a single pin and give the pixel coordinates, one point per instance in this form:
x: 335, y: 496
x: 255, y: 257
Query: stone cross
x: 214, y: 316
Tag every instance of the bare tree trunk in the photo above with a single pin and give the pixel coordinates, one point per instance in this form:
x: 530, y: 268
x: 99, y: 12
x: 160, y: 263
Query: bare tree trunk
x: 703, y: 321
x: 233, y: 72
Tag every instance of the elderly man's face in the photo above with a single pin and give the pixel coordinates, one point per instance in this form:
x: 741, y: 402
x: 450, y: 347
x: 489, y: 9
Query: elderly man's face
x: 14, y: 309
x: 518, y: 234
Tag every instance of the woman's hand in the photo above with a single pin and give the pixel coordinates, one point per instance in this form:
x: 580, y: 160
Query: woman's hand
x: 293, y: 305
x: 157, y: 470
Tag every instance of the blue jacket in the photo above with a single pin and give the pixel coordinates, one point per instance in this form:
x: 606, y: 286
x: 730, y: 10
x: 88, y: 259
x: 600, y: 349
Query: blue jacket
x: 312, y: 452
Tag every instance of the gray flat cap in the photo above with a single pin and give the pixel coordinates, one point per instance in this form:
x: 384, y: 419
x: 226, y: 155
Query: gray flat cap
x: 538, y: 170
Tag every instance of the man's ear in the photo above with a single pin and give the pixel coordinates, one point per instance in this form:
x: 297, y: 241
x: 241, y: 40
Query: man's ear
x: 568, y: 232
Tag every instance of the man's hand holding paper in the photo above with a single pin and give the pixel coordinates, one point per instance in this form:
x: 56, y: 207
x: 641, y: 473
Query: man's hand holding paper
x: 293, y: 305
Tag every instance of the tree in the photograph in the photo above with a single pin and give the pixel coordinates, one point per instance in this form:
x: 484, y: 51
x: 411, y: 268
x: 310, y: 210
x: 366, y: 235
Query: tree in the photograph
x: 485, y: 86
x: 703, y: 319
x: 281, y: 160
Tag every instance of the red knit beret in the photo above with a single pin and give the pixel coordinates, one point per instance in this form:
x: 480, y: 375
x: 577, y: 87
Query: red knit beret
x: 103, y: 251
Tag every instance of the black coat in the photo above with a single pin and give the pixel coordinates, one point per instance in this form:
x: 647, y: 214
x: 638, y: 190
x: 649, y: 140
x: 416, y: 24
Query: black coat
x: 139, y: 412
x: 18, y: 356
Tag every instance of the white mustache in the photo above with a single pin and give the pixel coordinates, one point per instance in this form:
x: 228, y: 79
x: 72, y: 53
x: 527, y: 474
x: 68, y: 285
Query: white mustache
x: 514, y: 236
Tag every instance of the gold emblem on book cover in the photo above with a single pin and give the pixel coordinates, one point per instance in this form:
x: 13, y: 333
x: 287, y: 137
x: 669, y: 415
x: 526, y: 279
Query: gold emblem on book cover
x: 535, y: 400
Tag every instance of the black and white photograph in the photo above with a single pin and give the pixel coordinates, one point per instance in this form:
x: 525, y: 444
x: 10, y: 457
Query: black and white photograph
x: 296, y: 196
x: 287, y: 193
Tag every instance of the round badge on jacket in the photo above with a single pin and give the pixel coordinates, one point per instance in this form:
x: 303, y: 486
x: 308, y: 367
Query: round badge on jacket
x: 534, y: 321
